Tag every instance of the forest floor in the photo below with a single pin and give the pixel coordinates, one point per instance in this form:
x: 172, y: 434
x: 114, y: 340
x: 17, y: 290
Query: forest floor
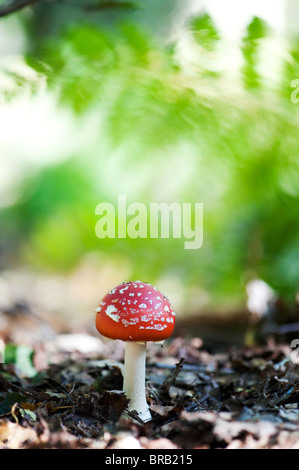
x: 63, y: 395
x: 61, y: 384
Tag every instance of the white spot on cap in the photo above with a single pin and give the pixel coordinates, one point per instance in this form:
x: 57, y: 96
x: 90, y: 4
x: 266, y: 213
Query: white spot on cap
x: 142, y: 305
x: 109, y: 312
x: 157, y: 327
x: 169, y: 320
x: 131, y: 322
x: 121, y: 291
x: 144, y: 318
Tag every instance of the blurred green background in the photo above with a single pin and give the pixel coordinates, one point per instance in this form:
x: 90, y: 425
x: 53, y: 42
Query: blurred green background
x: 163, y: 102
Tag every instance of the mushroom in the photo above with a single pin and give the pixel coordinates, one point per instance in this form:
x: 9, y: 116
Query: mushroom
x: 135, y: 312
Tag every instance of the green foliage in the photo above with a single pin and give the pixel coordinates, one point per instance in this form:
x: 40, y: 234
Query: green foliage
x: 21, y: 356
x: 256, y: 31
x: 169, y: 130
x: 204, y: 31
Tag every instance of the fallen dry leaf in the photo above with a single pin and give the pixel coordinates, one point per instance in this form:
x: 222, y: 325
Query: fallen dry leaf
x: 14, y: 436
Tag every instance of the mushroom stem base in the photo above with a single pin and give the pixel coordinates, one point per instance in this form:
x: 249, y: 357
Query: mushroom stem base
x: 134, y: 379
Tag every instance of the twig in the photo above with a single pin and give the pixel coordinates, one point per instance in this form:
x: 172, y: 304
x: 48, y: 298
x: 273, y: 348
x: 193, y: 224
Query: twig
x: 7, y: 385
x: 283, y: 329
x: 107, y: 5
x: 168, y: 382
x: 60, y: 388
x: 187, y: 367
x: 15, y: 6
x: 12, y: 7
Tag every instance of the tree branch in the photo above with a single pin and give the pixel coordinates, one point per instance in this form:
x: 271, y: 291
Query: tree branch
x: 107, y: 5
x: 14, y: 6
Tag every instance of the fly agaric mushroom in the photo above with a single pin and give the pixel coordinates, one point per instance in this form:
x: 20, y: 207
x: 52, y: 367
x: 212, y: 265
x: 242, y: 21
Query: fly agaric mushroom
x: 135, y: 312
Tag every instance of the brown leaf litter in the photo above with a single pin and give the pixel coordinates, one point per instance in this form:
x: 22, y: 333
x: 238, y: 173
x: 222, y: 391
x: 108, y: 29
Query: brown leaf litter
x: 240, y: 398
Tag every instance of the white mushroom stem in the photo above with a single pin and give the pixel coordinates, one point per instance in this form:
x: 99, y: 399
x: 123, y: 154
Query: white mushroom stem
x: 134, y: 379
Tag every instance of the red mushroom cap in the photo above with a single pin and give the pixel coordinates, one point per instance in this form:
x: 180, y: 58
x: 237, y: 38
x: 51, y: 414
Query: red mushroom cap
x: 135, y: 311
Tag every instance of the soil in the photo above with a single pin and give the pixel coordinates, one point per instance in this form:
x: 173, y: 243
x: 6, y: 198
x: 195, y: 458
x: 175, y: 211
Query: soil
x: 235, y: 397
